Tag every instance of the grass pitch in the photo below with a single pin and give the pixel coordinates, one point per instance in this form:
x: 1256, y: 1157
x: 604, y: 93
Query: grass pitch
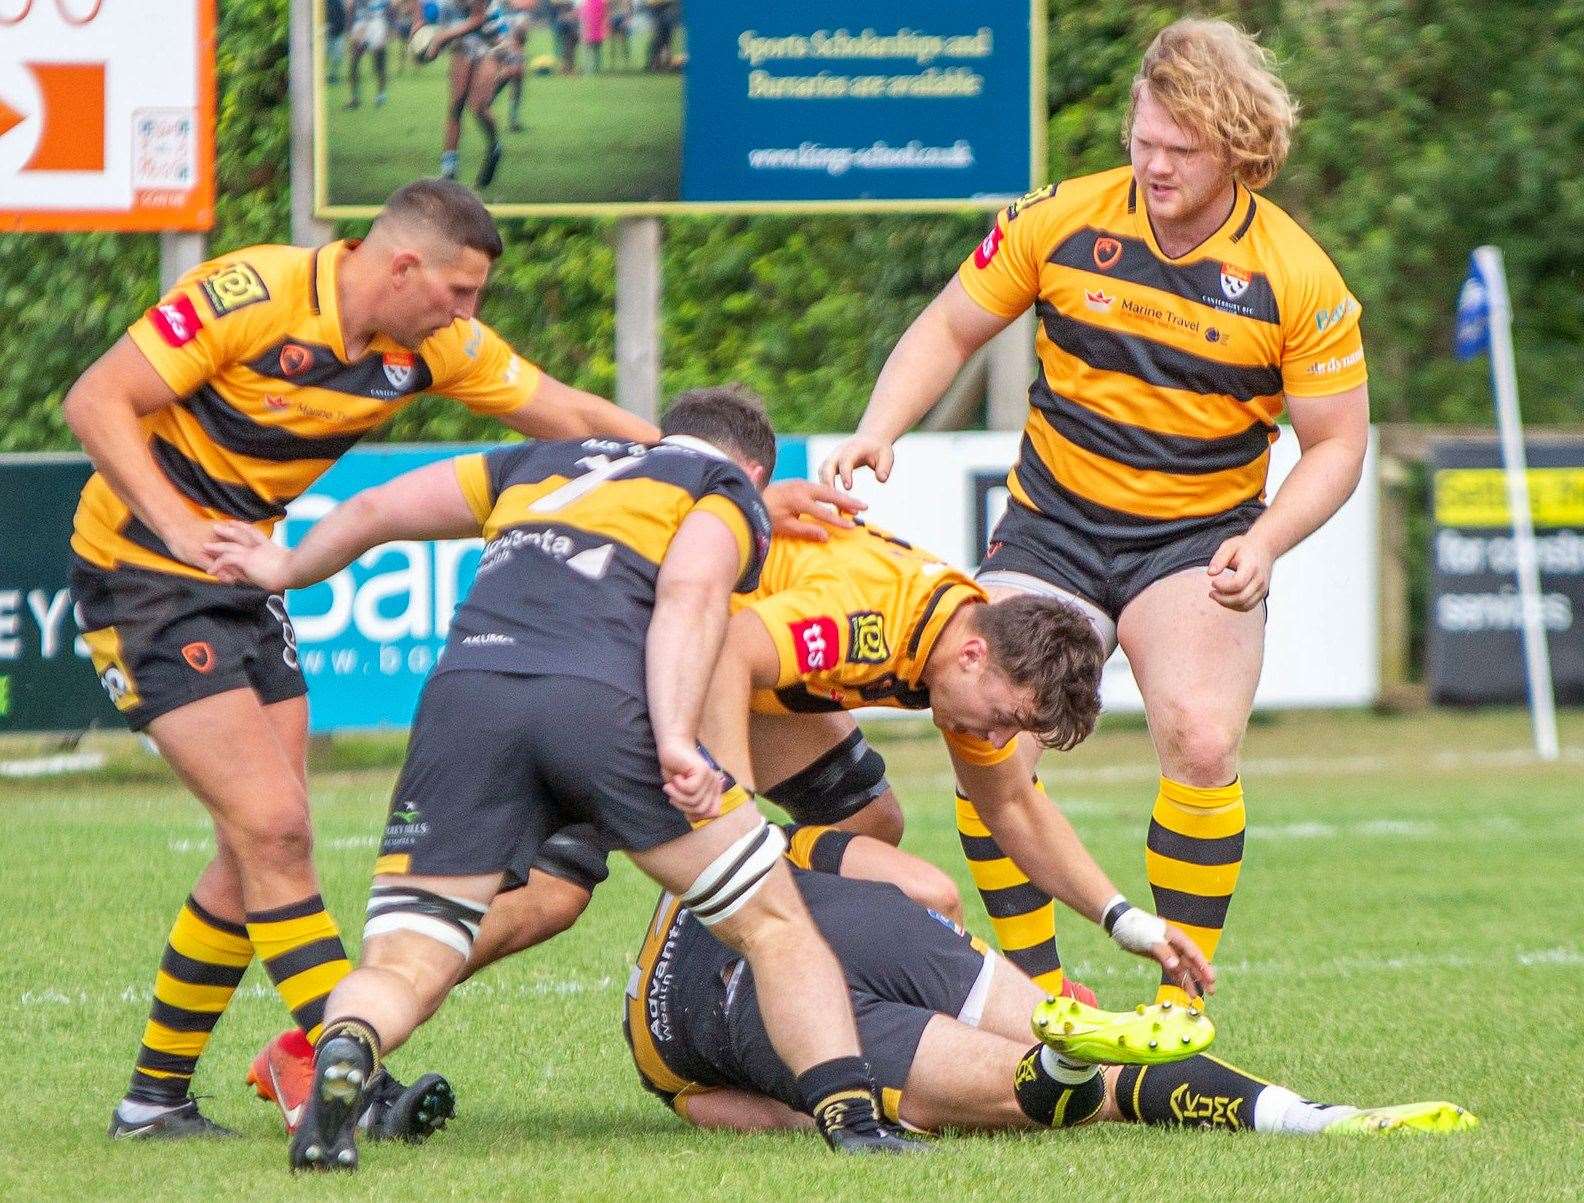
x: 606, y: 136
x: 1409, y: 925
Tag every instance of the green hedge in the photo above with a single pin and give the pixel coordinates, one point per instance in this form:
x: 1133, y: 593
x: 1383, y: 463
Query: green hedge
x: 1429, y: 128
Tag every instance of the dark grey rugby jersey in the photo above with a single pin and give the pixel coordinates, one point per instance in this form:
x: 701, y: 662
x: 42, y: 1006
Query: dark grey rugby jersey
x: 574, y: 535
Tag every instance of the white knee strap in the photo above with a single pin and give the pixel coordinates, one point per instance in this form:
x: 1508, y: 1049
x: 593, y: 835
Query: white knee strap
x: 735, y: 876
x: 444, y: 918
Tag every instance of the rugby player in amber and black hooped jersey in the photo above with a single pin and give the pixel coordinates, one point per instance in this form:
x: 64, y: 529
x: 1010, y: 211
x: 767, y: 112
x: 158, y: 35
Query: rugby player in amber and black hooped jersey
x: 226, y: 401
x: 1179, y: 312
x: 571, y: 689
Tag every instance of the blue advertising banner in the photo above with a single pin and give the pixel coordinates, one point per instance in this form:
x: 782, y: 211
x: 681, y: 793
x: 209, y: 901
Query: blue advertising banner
x: 855, y: 100
x: 707, y: 106
x: 369, y: 635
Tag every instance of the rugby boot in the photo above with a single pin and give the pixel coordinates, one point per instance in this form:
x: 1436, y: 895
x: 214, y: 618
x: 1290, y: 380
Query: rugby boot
x: 1072, y: 989
x: 408, y: 1113
x: 1405, y: 1117
x: 1146, y: 1035
x: 180, y: 1122
x: 850, y: 1123
x: 326, y: 1137
x: 282, y: 1073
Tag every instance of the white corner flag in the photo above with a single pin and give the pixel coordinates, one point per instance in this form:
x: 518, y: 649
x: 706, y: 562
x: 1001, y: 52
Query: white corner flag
x: 1484, y: 323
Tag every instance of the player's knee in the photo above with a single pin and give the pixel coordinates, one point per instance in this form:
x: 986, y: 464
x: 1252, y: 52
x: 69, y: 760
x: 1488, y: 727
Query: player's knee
x: 1199, y: 750
x: 1209, y: 756
x: 561, y: 911
x: 736, y: 879
x: 880, y: 820
x: 279, y: 842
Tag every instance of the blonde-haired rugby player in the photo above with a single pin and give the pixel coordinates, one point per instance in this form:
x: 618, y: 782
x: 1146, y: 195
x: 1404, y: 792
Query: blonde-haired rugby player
x: 1180, y: 312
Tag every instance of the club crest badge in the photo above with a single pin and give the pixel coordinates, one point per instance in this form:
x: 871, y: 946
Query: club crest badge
x: 1234, y: 281
x: 399, y: 370
x: 1107, y: 252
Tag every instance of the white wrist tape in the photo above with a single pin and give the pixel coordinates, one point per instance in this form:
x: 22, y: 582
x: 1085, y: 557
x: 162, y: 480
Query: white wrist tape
x: 1138, y: 931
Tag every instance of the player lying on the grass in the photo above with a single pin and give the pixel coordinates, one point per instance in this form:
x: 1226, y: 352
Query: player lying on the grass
x: 943, y: 1021
x: 944, y: 1024
x: 571, y: 685
x: 869, y: 620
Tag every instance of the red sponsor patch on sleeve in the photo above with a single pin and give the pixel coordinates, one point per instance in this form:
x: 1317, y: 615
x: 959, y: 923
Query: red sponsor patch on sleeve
x: 987, y: 249
x: 176, y: 320
x: 816, y: 643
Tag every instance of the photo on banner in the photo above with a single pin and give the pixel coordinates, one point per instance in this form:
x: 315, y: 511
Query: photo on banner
x: 629, y: 107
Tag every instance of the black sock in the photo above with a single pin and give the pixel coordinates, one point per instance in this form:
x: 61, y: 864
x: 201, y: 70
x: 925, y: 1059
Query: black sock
x: 1052, y: 1103
x: 1200, y: 1092
x: 840, y: 1093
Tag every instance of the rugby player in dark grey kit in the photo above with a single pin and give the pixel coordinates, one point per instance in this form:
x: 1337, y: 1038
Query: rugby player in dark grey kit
x: 570, y: 690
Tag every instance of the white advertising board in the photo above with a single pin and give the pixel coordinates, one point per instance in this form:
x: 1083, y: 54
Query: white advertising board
x: 106, y: 114
x: 1322, y: 643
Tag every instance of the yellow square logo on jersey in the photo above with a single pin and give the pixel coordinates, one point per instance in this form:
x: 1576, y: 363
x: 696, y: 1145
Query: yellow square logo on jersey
x: 866, y: 641
x: 233, y: 288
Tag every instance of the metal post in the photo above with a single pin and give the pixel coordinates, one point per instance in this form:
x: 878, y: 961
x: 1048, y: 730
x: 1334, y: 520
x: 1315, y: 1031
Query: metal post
x: 306, y: 230
x: 638, y: 315
x: 180, y: 252
x: 1537, y: 655
x: 1009, y: 372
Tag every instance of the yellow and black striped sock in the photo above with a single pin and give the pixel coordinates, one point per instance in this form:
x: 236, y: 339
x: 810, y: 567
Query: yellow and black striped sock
x: 203, y: 963
x: 1022, y: 915
x: 1194, y: 852
x: 301, y: 948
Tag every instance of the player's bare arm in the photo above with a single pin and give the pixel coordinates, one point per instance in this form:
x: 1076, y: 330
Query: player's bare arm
x: 426, y: 503
x: 559, y: 411
x: 478, y: 13
x: 684, y: 640
x: 916, y: 375
x: 1042, y: 843
x: 102, y: 409
x: 748, y: 661
x: 1333, y: 435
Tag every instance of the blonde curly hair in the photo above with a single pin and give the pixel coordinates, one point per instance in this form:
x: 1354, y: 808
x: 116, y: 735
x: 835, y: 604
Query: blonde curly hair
x: 1220, y: 85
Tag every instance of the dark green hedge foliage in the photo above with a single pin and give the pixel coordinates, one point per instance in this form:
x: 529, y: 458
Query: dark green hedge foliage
x: 1430, y: 127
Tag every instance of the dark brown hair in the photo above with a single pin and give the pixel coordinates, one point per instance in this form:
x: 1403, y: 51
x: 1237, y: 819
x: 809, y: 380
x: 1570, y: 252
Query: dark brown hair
x: 729, y: 416
x: 1048, y: 647
x: 446, y: 208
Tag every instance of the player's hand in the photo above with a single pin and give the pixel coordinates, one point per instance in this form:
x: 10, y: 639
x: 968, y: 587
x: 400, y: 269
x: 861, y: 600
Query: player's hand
x: 244, y: 555
x: 691, y: 782
x: 1146, y: 935
x: 807, y: 509
x: 190, y: 542
x: 1184, y: 963
x: 860, y: 451
x: 1240, y: 572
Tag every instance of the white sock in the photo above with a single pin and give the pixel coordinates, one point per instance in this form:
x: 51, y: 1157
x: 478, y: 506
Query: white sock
x: 1068, y: 1073
x: 1278, y: 1109
x: 133, y: 1112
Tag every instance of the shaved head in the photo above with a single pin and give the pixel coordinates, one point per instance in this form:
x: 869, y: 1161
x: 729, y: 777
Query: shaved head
x: 441, y: 215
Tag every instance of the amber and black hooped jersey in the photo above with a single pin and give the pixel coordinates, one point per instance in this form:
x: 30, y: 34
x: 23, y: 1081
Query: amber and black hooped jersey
x: 1159, y: 380
x: 574, y: 535
x: 251, y: 344
x: 854, y: 620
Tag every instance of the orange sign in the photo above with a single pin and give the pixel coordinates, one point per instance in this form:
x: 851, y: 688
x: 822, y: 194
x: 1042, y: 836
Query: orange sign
x: 77, y: 154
